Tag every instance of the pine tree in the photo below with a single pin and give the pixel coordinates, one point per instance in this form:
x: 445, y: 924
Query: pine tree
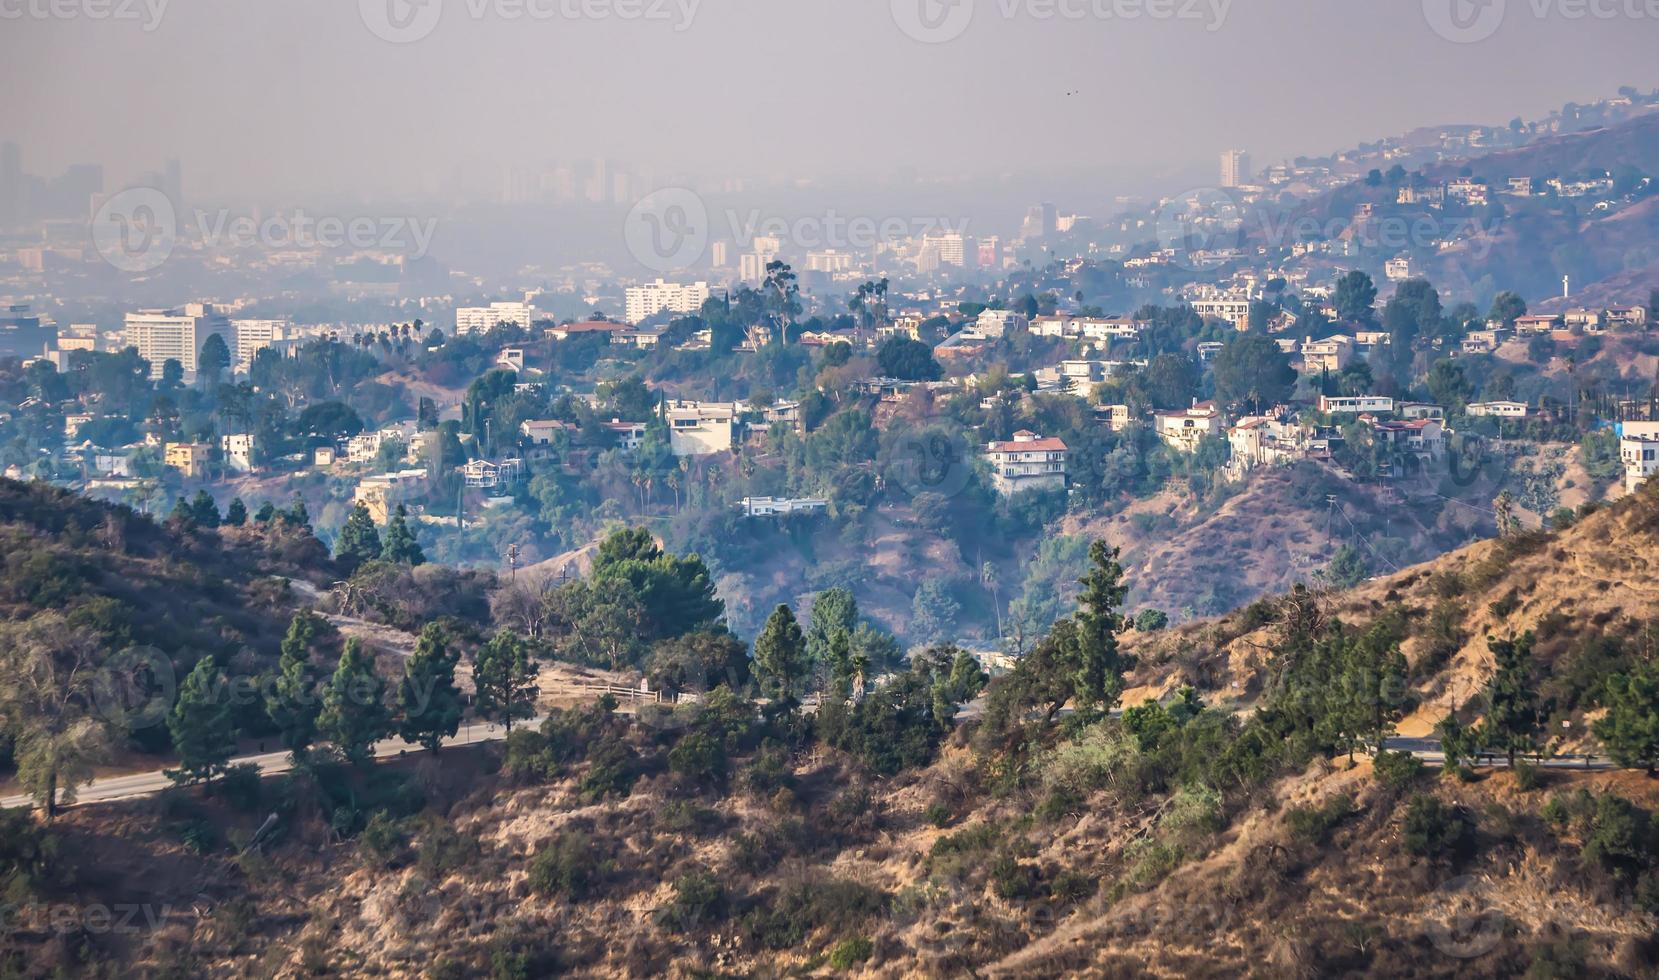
x: 204, y: 510
x: 1630, y: 730
x: 780, y: 654
x: 1511, y: 721
x: 182, y: 511
x: 428, y: 702
x: 1098, y: 666
x: 359, y: 542
x: 201, y: 726
x: 292, y: 702
x: 354, y: 714
x: 297, y: 515
x: 505, y: 680
x: 236, y: 514
x: 266, y: 513
x: 400, y: 546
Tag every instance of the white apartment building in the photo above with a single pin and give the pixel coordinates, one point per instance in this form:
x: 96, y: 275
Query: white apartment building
x: 178, y: 335
x: 1641, y: 459
x: 830, y: 261
x: 1235, y: 168
x: 996, y: 323
x: 253, y: 336
x: 1345, y: 405
x: 701, y: 429
x: 1233, y: 310
x: 952, y: 247
x: 654, y: 297
x: 1502, y: 410
x: 238, y: 452
x: 482, y: 319
x: 1028, y: 462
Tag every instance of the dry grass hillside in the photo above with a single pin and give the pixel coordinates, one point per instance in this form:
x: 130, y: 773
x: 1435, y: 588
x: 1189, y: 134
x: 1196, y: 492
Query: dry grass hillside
x: 1598, y: 578
x: 1077, y: 849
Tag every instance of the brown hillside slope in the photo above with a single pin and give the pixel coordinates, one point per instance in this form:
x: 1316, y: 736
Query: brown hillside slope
x: 1600, y: 576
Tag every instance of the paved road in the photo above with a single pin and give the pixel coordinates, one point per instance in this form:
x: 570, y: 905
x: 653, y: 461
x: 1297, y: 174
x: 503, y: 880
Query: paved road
x: 126, y: 787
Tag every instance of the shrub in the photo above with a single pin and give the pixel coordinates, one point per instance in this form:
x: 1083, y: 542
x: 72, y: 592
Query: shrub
x: 698, y: 897
x: 1526, y: 776
x: 1314, y: 823
x: 1396, y: 770
x: 240, y: 787
x: 383, y: 842
x: 1433, y: 829
x: 936, y: 814
x: 850, y: 952
x: 564, y: 867
x: 1071, y: 886
x: 445, y: 849
x: 699, y: 758
x: 786, y: 918
x: 1012, y: 879
x: 1622, y: 840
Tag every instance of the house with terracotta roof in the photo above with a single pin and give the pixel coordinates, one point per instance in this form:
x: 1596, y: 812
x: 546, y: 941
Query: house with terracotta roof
x: 1182, y: 430
x: 1027, y: 462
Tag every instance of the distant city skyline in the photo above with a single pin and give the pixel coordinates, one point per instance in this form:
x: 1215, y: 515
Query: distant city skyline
x: 310, y: 98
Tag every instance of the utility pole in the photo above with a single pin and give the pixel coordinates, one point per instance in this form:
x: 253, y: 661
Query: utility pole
x: 512, y: 562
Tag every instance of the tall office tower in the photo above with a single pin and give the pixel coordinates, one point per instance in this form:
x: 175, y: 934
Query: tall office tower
x: 176, y: 335
x: 253, y: 336
x: 1235, y: 168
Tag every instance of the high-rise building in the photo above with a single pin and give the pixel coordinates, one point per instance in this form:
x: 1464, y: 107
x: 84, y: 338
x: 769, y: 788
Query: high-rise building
x: 954, y: 248
x: 253, y: 336
x: 654, y: 297
x: 176, y: 335
x: 482, y: 319
x: 1235, y: 168
x: 1040, y: 220
x: 720, y: 254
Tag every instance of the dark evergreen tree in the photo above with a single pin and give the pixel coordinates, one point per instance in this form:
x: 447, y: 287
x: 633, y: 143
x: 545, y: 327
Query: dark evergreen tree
x: 292, y: 702
x: 236, y: 514
x: 354, y: 715
x: 1512, y: 710
x: 504, y: 678
x: 428, y: 702
x: 780, y: 654
x: 201, y: 726
x: 400, y: 546
x: 359, y: 542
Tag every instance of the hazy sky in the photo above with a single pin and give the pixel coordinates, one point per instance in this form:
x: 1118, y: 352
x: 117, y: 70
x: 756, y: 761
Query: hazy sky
x: 275, y: 97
